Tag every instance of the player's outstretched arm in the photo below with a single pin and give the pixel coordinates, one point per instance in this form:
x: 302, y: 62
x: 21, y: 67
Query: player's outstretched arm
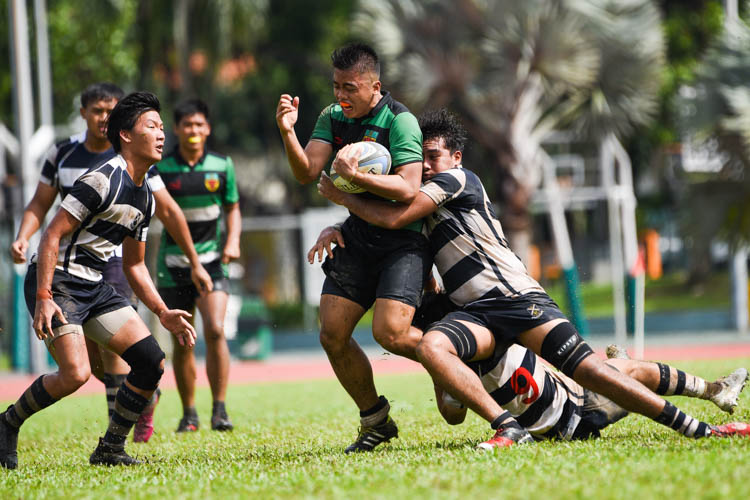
x: 381, y: 213
x: 452, y: 410
x: 134, y: 267
x: 327, y: 237
x: 307, y: 162
x: 32, y: 219
x: 62, y: 223
x: 170, y: 214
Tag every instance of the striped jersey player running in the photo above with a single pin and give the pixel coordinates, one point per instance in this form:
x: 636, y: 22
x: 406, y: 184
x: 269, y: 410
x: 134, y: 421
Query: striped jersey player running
x: 498, y: 301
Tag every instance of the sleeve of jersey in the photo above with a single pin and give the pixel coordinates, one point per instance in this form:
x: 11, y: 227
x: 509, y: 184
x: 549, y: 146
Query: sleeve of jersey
x: 405, y: 140
x: 141, y: 231
x: 49, y: 170
x: 322, y: 131
x: 87, y: 194
x: 154, y: 179
x: 231, y: 194
x: 445, y: 186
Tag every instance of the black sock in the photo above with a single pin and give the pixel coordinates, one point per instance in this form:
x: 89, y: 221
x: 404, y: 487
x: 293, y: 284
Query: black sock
x: 190, y: 412
x: 128, y: 407
x: 375, y: 415
x: 505, y: 419
x: 672, y: 417
x: 34, y: 399
x: 112, y: 383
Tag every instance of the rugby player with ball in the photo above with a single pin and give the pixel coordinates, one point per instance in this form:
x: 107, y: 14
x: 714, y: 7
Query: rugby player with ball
x: 384, y: 267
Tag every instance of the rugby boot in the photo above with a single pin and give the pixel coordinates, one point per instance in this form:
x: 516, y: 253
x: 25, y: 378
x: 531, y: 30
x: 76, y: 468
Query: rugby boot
x: 731, y: 386
x: 731, y: 429
x: 8, y: 444
x: 220, y: 421
x: 188, y: 423
x: 615, y: 351
x: 506, y: 437
x: 105, y: 454
x: 144, y: 427
x: 370, y: 437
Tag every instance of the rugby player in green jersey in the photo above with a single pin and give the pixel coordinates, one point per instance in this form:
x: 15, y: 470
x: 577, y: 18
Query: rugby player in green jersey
x: 203, y: 183
x: 378, y: 266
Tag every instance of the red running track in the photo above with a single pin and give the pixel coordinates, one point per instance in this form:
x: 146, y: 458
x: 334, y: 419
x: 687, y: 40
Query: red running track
x: 310, y: 367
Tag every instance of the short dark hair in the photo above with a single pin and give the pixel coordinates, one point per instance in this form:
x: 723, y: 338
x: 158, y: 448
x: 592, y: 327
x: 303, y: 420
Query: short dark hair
x: 126, y: 113
x: 190, y: 107
x: 358, y: 56
x: 442, y: 123
x: 102, y: 91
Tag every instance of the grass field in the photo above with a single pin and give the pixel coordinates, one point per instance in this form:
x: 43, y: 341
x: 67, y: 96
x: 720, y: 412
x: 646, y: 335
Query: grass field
x: 289, y: 439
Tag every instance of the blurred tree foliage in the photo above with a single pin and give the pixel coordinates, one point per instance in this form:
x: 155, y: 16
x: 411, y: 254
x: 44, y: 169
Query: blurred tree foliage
x: 238, y: 55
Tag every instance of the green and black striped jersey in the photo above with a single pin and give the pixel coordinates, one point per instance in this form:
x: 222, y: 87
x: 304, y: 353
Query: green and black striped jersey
x: 201, y: 191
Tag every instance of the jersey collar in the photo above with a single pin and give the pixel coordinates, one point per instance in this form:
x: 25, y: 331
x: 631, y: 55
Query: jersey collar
x: 385, y: 99
x: 181, y: 161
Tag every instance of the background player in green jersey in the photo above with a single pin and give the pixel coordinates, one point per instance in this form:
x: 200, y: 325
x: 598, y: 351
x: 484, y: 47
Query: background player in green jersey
x: 202, y: 183
x: 380, y: 266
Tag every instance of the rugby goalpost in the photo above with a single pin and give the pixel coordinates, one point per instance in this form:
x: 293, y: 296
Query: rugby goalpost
x: 625, y: 262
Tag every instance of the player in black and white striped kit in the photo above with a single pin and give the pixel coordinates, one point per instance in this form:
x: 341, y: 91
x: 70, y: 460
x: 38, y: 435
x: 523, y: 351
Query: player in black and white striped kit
x: 109, y: 205
x: 498, y: 301
x: 65, y: 162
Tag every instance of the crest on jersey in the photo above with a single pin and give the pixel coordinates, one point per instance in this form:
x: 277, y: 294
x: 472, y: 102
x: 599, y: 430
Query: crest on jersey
x: 535, y: 311
x: 212, y: 182
x: 370, y: 135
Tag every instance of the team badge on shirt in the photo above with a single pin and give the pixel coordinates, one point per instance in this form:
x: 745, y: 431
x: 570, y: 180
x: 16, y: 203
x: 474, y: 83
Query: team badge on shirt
x: 370, y: 135
x: 535, y: 311
x: 212, y: 182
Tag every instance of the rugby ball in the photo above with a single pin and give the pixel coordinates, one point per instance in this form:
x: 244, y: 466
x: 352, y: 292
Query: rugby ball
x: 374, y: 158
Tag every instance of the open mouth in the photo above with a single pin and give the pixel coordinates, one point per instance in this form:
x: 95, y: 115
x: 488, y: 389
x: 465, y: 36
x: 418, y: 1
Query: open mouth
x: 194, y: 139
x: 345, y: 105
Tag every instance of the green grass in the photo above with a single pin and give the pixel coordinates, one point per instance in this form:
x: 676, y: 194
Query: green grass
x: 289, y: 439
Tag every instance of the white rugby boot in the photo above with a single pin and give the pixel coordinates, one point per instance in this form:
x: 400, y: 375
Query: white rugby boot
x: 731, y: 387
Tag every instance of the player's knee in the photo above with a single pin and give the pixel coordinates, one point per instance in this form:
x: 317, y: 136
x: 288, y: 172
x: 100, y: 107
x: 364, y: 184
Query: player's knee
x: 75, y: 377
x: 146, y: 360
x: 213, y: 331
x: 448, y: 337
x: 332, y: 342
x: 564, y: 349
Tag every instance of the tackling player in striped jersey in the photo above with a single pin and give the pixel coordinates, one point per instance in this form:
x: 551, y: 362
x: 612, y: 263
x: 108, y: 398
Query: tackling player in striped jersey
x: 551, y: 405
x: 66, y: 161
x: 498, y: 302
x: 109, y: 205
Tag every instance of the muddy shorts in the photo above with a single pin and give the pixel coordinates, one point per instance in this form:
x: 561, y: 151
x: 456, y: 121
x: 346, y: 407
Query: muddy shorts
x: 92, y: 308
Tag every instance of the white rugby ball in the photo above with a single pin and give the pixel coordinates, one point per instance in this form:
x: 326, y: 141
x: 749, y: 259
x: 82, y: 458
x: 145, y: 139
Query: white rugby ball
x: 374, y: 158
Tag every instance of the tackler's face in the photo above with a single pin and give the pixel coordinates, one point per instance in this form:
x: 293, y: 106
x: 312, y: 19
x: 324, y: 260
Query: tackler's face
x: 437, y: 158
x: 147, y: 136
x: 192, y: 132
x: 355, y: 92
x: 96, y: 115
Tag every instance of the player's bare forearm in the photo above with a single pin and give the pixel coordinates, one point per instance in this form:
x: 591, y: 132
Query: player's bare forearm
x: 234, y: 227
x: 170, y: 214
x: 403, y: 186
x: 62, y: 223
x: 142, y: 285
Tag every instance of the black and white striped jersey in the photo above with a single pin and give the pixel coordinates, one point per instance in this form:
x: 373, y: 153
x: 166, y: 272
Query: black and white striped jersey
x: 544, y: 401
x: 110, y: 207
x: 67, y: 160
x: 468, y: 244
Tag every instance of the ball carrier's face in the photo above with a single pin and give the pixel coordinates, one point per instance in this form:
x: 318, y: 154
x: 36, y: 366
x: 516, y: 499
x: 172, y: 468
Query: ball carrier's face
x: 356, y: 92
